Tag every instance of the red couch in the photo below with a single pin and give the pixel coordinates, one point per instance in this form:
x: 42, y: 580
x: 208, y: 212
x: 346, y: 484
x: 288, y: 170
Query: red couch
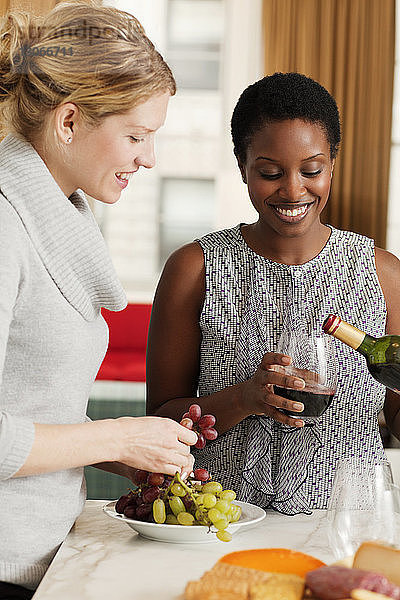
x: 126, y: 355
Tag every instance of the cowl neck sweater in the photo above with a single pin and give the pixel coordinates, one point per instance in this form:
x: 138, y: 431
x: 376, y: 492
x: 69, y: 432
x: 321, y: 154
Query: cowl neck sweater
x: 63, y: 231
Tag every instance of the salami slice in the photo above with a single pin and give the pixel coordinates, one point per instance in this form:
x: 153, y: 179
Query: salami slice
x: 333, y: 583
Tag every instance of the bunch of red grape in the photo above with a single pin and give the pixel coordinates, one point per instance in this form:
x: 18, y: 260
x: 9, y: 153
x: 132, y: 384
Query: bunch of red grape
x: 202, y: 425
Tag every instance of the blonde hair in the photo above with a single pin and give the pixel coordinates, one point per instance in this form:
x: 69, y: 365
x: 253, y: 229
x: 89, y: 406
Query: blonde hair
x: 105, y: 64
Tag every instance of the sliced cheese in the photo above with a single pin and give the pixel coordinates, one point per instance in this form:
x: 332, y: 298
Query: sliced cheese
x: 372, y: 556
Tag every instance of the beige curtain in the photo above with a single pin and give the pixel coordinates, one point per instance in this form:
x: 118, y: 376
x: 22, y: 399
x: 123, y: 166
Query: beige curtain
x: 38, y: 7
x: 348, y: 46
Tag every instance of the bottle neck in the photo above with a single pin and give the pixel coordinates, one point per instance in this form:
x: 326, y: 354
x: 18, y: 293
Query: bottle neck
x: 350, y: 335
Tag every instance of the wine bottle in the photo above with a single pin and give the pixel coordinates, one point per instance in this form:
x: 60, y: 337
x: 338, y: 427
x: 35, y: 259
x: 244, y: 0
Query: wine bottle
x: 382, y: 354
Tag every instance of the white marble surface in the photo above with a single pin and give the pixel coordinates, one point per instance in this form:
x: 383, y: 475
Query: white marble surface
x: 103, y: 558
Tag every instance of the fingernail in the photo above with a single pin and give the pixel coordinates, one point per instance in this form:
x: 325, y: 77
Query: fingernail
x: 184, y: 475
x: 299, y: 383
x: 299, y: 423
x: 286, y: 360
x: 298, y: 406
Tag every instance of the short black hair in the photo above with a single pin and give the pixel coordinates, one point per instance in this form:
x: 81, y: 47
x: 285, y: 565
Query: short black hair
x: 279, y: 97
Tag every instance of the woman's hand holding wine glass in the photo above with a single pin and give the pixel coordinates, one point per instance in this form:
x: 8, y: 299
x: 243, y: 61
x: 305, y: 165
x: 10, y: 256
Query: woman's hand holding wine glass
x: 258, y: 394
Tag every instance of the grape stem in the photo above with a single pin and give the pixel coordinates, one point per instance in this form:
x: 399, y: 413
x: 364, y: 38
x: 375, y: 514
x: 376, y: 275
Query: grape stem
x: 190, y: 493
x: 169, y: 488
x: 177, y: 479
x: 185, y: 487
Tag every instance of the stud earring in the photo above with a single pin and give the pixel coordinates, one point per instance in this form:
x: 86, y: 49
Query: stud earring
x: 68, y: 140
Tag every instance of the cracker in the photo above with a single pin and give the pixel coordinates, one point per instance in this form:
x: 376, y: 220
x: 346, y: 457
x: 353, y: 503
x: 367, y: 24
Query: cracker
x: 199, y: 590
x: 232, y: 572
x: 218, y: 590
x: 225, y: 582
x: 280, y: 586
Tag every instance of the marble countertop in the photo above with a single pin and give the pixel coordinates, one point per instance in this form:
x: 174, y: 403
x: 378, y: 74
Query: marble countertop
x: 103, y: 558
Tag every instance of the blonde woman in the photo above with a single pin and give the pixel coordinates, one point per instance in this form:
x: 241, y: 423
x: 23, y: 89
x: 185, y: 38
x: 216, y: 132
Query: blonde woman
x: 82, y: 93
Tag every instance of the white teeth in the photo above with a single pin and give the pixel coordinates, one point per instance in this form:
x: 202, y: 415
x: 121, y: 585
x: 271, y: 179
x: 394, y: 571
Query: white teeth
x: 124, y: 176
x: 292, y: 213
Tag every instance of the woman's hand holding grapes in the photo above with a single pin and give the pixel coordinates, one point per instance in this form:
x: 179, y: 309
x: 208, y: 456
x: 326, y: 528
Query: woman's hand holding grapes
x: 155, y: 444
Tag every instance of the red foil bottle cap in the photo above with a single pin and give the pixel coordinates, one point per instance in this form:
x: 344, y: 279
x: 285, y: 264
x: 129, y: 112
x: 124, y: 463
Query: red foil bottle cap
x: 331, y: 323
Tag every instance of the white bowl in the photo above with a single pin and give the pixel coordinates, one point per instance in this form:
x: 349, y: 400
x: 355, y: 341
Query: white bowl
x: 193, y: 534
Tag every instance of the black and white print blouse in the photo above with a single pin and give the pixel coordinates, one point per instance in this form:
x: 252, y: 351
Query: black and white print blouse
x: 275, y: 466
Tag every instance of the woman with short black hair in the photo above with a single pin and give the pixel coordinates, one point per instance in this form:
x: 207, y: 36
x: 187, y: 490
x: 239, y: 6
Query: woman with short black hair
x: 219, y: 308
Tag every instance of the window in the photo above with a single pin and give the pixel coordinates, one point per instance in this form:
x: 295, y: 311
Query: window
x: 186, y: 212
x: 194, y: 52
x: 215, y: 50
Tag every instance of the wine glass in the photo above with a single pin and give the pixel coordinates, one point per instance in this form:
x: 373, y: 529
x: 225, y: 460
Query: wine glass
x: 363, y: 506
x: 313, y: 360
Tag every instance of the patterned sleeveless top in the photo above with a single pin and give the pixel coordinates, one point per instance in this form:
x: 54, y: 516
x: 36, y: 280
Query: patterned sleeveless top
x: 275, y: 466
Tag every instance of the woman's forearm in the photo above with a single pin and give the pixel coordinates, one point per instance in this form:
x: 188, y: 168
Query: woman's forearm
x: 149, y: 443
x: 256, y: 396
x: 224, y: 405
x: 60, y: 447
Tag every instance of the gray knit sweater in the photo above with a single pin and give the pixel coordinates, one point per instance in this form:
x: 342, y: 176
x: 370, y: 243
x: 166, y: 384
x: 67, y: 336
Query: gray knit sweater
x: 55, y: 275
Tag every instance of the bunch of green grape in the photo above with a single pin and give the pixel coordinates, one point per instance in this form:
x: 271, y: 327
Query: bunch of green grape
x: 196, y: 501
x: 170, y: 500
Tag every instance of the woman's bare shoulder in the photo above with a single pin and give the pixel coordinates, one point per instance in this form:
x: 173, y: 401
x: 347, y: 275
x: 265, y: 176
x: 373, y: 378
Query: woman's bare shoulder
x: 388, y: 271
x: 189, y: 257
x: 183, y: 276
x: 387, y: 267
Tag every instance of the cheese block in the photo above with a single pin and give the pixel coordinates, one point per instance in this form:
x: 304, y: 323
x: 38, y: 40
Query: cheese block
x: 273, y: 560
x: 372, y: 556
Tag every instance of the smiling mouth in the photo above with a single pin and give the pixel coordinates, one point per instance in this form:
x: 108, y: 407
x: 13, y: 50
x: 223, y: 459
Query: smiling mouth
x: 293, y: 213
x: 123, y: 176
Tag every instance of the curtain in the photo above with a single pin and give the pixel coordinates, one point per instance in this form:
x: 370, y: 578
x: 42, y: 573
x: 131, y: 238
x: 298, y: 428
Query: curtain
x: 38, y: 7
x: 348, y: 46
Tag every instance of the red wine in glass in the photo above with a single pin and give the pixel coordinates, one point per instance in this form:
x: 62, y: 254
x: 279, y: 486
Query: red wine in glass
x: 316, y: 400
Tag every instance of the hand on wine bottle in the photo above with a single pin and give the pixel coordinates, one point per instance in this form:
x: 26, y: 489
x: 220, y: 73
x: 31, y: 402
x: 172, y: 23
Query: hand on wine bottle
x: 257, y: 393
